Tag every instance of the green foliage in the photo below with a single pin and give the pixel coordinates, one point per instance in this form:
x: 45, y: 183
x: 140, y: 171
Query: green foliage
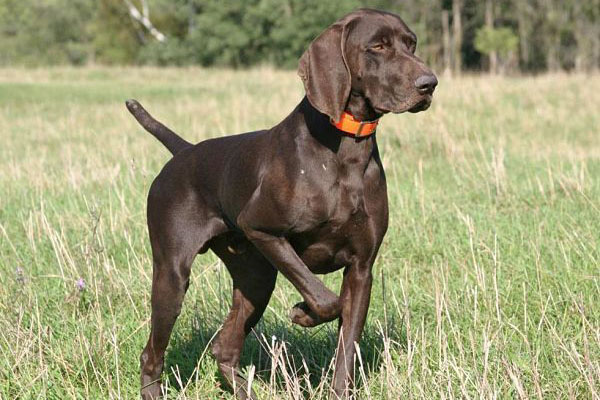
x: 48, y: 32
x: 173, y: 52
x: 501, y: 40
x: 235, y: 33
x: 302, y: 22
x: 115, y: 36
x: 230, y: 32
x: 243, y: 33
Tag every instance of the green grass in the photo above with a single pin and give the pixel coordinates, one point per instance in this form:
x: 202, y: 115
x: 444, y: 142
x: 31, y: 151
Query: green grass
x: 487, y: 284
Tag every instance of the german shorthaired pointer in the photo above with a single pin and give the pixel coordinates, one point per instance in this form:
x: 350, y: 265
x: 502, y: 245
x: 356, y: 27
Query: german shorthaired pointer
x: 305, y: 197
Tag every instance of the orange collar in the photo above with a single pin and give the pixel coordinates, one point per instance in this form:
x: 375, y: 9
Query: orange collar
x: 354, y: 127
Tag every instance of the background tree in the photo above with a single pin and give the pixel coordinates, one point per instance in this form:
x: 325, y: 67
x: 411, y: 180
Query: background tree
x: 457, y: 35
x: 453, y: 34
x: 499, y: 43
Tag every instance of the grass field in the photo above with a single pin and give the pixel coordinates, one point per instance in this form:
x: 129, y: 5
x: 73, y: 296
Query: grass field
x: 487, y: 284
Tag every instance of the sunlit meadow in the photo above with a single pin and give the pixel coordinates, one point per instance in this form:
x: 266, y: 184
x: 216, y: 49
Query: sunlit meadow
x: 487, y: 284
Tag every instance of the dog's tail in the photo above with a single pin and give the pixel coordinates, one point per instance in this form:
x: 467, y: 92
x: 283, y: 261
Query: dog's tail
x: 172, y: 141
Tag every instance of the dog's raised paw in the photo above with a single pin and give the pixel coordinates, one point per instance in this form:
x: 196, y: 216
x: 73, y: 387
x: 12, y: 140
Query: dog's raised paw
x: 302, y: 315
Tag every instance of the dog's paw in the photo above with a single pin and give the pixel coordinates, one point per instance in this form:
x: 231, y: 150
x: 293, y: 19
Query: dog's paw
x: 153, y: 391
x: 302, y: 315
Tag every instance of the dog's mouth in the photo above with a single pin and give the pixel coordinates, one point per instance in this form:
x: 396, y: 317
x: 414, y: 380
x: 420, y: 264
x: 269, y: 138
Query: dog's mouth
x: 381, y: 111
x: 421, y: 105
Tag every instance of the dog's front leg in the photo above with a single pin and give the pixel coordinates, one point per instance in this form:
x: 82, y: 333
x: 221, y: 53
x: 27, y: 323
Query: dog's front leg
x: 355, y: 296
x: 283, y: 257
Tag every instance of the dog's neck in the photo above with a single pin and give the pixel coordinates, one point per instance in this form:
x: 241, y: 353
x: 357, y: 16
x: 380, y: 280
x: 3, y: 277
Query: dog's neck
x: 345, y: 147
x: 359, y: 106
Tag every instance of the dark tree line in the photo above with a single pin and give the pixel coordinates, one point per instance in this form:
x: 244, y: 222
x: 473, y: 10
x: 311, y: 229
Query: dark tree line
x: 454, y: 35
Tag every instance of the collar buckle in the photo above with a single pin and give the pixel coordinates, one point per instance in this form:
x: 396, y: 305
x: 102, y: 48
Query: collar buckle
x: 354, y: 127
x: 361, y: 126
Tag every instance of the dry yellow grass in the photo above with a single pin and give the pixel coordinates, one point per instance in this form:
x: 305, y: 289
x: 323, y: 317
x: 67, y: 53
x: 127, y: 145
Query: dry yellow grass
x: 487, y: 282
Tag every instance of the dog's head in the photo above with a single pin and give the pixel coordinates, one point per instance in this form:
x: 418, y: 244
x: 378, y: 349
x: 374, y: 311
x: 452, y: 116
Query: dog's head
x: 371, y: 53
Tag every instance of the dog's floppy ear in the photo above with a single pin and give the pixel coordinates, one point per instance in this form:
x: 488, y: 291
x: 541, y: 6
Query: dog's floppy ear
x: 325, y: 73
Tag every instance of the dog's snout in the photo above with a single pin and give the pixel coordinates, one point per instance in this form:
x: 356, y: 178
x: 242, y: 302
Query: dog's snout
x: 426, y: 84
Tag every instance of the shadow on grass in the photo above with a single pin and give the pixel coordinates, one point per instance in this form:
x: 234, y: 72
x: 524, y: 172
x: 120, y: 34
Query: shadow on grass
x: 315, y: 347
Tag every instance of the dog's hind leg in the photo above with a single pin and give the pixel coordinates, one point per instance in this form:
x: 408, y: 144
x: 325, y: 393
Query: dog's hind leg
x: 177, y: 233
x: 253, y: 283
x: 169, y: 283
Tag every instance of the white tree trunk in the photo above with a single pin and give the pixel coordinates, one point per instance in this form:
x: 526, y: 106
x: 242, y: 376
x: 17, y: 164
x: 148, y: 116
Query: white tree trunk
x: 144, y: 19
x: 489, y: 22
x: 457, y: 35
x: 446, y: 43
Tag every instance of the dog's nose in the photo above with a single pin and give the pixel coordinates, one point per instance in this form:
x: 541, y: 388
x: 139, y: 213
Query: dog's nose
x: 426, y: 84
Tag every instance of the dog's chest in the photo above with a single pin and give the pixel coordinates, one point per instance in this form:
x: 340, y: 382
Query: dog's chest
x: 331, y: 195
x: 331, y: 245
x: 332, y: 219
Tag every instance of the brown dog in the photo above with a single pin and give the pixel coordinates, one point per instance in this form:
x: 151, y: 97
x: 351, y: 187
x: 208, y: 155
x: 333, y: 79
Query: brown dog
x: 305, y: 197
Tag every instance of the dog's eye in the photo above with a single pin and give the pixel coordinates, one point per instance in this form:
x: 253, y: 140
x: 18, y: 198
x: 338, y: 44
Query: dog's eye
x: 411, y: 45
x: 378, y: 47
